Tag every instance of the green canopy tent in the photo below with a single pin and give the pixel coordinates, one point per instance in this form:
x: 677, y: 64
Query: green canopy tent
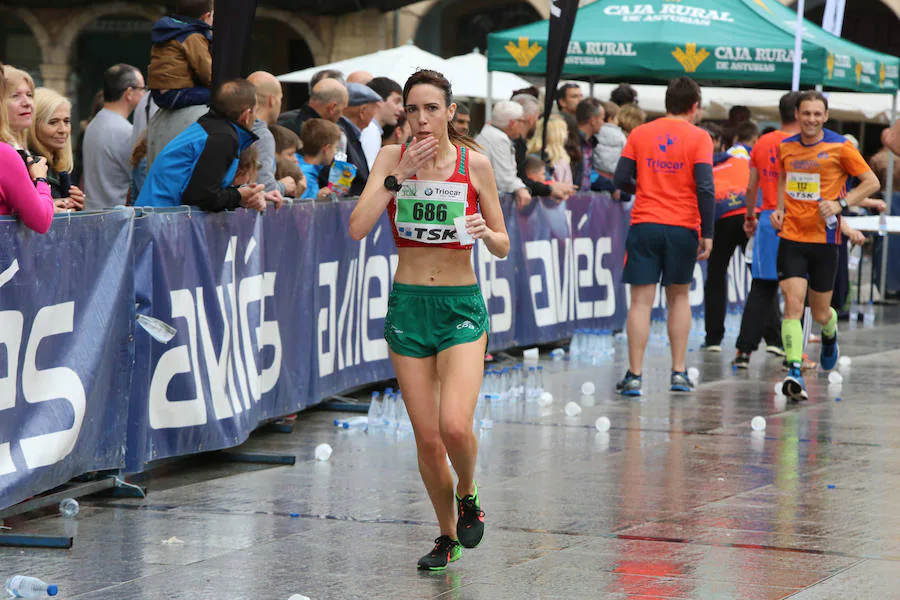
x: 734, y: 42
x: 724, y: 42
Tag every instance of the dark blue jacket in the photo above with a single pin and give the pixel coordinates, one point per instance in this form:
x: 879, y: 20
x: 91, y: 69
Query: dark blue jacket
x: 178, y: 28
x: 197, y: 167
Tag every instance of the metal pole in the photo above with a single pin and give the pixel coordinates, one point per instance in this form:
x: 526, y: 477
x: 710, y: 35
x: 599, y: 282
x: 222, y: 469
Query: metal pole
x: 798, y: 47
x: 489, y: 101
x: 889, y: 196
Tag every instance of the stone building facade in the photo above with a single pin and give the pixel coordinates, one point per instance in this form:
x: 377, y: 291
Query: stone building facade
x: 66, y: 48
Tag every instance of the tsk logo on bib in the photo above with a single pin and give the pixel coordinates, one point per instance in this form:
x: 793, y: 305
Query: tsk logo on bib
x: 804, y: 186
x: 426, y: 209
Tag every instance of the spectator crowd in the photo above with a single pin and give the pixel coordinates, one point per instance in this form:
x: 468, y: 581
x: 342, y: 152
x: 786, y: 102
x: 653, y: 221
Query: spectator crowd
x: 173, y: 139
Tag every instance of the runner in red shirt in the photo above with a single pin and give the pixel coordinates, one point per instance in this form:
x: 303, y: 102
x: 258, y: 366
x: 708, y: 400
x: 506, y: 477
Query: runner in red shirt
x: 667, y: 164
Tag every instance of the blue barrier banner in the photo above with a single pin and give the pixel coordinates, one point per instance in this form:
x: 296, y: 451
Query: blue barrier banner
x: 271, y: 314
x: 66, y: 324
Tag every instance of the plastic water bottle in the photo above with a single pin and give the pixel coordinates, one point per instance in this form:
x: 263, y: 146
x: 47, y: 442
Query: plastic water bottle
x: 831, y: 222
x: 575, y: 345
x: 748, y: 252
x: 854, y: 316
x: 505, y: 385
x: 404, y: 425
x: 882, y: 225
x: 376, y: 411
x: 20, y: 586
x: 487, y: 414
x: 557, y: 354
x: 68, y: 508
x: 539, y: 382
x: 531, y: 384
x: 389, y: 414
x: 869, y: 316
x: 356, y: 423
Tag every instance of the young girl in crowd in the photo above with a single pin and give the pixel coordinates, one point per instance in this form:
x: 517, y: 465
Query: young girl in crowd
x: 557, y: 132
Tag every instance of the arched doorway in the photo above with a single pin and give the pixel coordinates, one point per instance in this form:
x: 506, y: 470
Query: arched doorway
x: 278, y: 48
x: 453, y: 27
x: 18, y: 45
x: 102, y: 43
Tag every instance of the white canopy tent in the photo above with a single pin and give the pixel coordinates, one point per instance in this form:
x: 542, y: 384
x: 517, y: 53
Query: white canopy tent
x: 467, y: 73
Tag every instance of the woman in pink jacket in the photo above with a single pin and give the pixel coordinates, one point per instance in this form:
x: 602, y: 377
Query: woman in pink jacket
x: 24, y: 192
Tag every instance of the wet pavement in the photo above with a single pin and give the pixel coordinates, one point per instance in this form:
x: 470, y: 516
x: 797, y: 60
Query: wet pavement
x: 680, y: 499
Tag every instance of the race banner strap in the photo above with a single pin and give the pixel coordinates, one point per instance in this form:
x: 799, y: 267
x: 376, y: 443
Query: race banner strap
x: 562, y: 20
x: 231, y: 35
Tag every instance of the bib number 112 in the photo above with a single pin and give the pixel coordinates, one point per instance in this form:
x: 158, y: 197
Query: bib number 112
x: 429, y: 212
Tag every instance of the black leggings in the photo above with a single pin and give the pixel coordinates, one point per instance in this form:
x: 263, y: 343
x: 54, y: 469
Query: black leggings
x: 762, y: 316
x: 729, y: 236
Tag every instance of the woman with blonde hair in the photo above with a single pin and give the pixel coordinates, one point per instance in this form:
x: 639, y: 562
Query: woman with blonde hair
x: 50, y: 136
x: 19, y: 98
x: 24, y: 191
x: 629, y: 117
x: 557, y: 156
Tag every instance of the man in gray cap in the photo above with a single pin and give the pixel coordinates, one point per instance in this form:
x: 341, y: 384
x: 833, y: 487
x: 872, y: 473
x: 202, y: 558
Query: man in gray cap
x: 360, y: 110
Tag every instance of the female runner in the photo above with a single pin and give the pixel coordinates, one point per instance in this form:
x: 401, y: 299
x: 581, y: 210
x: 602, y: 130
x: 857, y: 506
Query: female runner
x: 437, y: 322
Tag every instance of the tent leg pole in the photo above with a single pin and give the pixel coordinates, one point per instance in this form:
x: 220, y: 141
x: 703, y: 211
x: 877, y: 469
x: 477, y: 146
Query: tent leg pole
x: 889, y: 196
x: 489, y: 101
x: 798, y: 46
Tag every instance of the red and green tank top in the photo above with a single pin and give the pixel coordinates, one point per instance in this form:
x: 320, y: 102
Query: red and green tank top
x: 422, y: 212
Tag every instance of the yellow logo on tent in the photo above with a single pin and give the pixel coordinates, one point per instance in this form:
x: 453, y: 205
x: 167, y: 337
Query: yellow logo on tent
x: 830, y: 64
x: 859, y: 69
x: 762, y: 4
x: 690, y: 58
x: 523, y: 53
x: 882, y: 72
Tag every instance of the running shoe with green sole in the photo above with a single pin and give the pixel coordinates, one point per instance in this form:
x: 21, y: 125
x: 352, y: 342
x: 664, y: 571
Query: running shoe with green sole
x: 470, y: 524
x: 445, y: 551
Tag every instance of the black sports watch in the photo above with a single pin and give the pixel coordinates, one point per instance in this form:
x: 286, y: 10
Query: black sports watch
x: 39, y: 179
x: 392, y: 184
x: 843, y: 203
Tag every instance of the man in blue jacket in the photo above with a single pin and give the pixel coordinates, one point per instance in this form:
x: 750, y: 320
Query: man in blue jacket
x: 198, y: 166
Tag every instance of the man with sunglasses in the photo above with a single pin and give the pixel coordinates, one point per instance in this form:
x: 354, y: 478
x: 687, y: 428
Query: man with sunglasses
x: 107, y: 139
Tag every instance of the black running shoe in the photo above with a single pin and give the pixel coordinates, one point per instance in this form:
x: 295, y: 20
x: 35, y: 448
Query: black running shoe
x: 445, y: 551
x: 741, y: 360
x: 470, y: 524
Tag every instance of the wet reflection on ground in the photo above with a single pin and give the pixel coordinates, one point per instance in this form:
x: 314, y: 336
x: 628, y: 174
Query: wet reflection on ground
x: 679, y: 499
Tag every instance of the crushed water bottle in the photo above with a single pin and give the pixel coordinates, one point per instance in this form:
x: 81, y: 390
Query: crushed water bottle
x: 68, y: 508
x: 748, y: 252
x: 20, y: 586
x: 376, y: 411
